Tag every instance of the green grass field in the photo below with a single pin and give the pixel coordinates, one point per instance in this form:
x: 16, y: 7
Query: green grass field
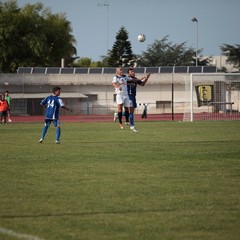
x: 172, y: 180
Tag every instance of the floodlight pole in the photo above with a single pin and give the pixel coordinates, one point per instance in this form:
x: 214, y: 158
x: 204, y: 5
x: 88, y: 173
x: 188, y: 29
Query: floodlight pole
x: 106, y: 4
x: 194, y: 19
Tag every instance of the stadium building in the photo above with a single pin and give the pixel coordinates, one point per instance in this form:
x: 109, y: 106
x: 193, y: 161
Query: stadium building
x: 89, y: 90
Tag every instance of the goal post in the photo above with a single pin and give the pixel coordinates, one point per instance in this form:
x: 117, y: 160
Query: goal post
x: 212, y: 96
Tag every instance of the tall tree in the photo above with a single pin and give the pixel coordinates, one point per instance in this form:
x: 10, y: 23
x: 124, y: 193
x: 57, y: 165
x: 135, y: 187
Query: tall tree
x: 121, y: 53
x: 32, y: 36
x: 165, y: 53
x: 233, y: 54
x: 9, y: 20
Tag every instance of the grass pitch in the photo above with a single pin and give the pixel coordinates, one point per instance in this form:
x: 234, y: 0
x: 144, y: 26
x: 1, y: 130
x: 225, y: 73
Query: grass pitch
x: 172, y: 180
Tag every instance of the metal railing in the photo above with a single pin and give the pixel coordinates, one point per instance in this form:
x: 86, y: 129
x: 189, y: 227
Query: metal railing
x: 112, y: 70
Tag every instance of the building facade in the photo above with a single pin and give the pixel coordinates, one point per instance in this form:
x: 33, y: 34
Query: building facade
x: 90, y: 91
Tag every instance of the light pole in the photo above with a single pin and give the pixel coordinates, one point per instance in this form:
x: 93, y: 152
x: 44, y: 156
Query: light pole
x: 106, y: 4
x: 194, y: 19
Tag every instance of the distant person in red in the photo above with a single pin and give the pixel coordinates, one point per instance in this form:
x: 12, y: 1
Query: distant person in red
x: 8, y: 98
x: 3, y: 109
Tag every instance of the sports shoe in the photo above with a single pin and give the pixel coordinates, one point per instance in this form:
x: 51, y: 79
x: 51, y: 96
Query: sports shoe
x: 127, y: 123
x: 41, y: 140
x: 133, y: 129
x: 121, y: 126
x: 115, y: 117
x: 57, y: 142
x: 9, y: 120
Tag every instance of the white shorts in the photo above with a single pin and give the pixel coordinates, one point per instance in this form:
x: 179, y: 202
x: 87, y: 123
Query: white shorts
x: 122, y: 99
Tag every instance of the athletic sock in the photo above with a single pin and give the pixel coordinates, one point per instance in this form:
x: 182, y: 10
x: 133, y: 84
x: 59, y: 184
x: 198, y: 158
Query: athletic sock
x: 120, y: 117
x: 44, y: 131
x: 127, y: 116
x: 58, y: 133
x: 131, y: 118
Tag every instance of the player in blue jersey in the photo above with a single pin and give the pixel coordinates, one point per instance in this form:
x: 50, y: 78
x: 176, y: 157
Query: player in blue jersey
x: 132, y: 91
x: 53, y: 104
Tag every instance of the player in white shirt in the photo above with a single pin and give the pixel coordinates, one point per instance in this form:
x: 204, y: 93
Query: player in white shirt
x: 120, y: 82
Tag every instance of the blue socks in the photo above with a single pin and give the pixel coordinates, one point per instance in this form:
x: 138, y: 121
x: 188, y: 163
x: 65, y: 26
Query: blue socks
x: 131, y: 119
x: 58, y: 133
x: 44, y: 131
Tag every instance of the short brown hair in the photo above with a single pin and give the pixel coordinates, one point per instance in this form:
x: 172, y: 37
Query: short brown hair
x: 130, y: 69
x: 55, y: 89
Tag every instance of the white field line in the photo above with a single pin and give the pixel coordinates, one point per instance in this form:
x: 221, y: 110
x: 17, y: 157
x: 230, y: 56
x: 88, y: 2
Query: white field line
x: 18, y: 235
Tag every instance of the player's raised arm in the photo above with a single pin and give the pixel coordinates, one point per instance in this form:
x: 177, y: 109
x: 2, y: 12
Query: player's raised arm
x: 145, y: 79
x: 132, y: 80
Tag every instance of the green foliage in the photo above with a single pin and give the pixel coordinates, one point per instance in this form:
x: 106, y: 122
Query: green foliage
x: 233, y: 54
x: 83, y: 62
x: 165, y: 53
x: 121, y: 52
x: 172, y: 180
x: 32, y: 36
x: 87, y: 62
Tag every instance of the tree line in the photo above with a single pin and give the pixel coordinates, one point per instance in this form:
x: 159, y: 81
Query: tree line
x: 33, y: 36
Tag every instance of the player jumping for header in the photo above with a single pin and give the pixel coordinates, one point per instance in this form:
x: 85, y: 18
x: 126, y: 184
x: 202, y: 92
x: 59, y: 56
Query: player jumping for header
x: 120, y: 82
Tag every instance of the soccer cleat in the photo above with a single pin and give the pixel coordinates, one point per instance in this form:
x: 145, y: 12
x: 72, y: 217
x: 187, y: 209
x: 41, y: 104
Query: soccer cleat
x: 41, y: 140
x: 57, y: 142
x: 121, y: 126
x: 115, y: 117
x: 127, y: 123
x: 9, y: 120
x: 133, y: 129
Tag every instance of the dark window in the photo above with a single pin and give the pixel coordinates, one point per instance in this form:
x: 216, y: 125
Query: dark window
x: 67, y: 70
x: 51, y: 70
x: 166, y: 69
x: 179, y: 69
x: 81, y: 70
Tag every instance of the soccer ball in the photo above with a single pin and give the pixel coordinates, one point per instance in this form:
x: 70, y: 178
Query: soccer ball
x: 141, y: 37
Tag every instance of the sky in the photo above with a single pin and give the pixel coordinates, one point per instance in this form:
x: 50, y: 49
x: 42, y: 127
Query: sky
x: 95, y: 23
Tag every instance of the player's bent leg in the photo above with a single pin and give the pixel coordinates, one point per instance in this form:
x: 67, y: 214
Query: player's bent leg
x: 120, y: 119
x: 120, y: 108
x: 127, y: 116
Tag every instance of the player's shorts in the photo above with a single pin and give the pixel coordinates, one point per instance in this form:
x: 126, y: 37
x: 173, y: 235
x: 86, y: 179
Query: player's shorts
x: 56, y: 122
x: 4, y: 114
x: 122, y: 99
x: 132, y: 101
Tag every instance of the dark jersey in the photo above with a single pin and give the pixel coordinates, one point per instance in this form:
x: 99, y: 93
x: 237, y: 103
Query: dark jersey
x: 132, y: 88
